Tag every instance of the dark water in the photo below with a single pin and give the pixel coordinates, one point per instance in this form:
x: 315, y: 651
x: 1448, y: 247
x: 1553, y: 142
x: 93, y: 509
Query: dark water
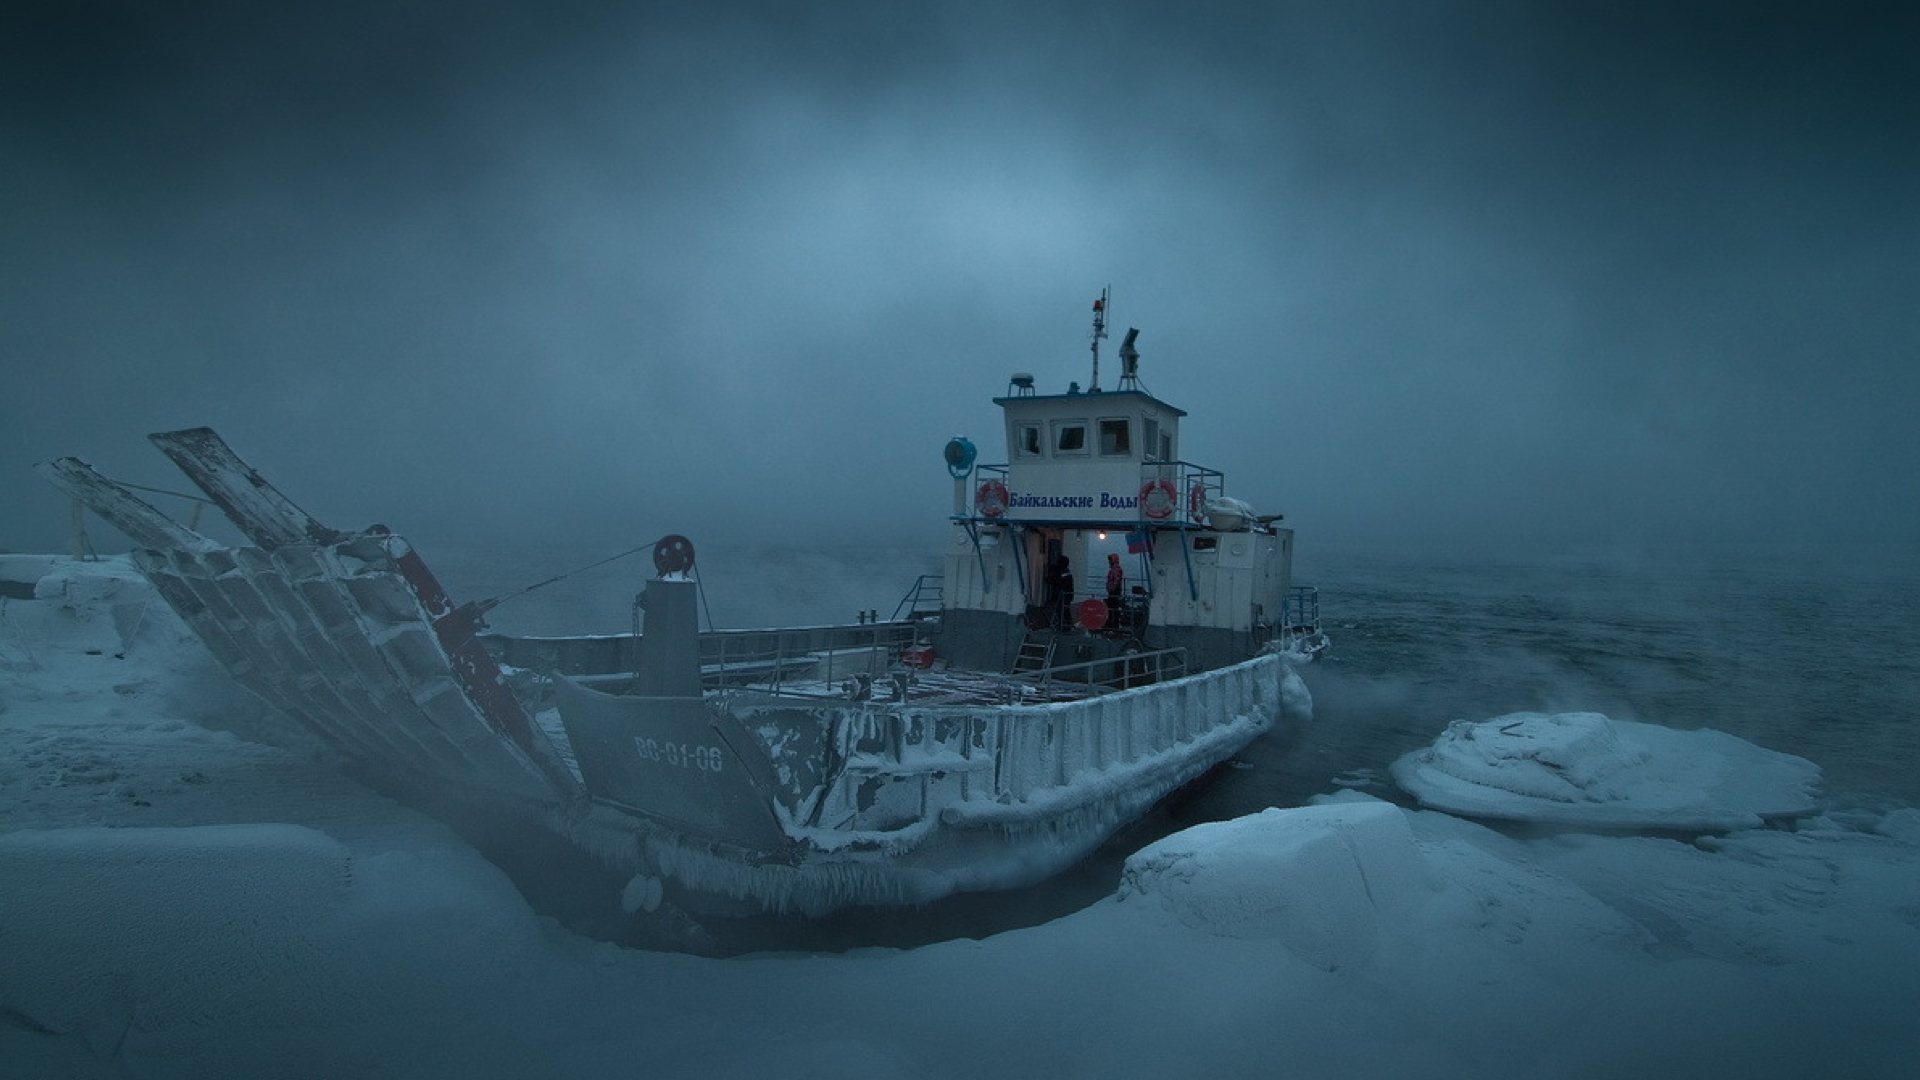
x: 1820, y: 663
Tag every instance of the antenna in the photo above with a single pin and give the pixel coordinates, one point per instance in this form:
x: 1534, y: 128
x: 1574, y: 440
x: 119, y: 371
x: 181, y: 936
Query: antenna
x: 1099, y: 331
x: 1130, y: 361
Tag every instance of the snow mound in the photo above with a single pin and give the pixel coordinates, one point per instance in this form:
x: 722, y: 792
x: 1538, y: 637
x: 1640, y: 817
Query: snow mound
x: 94, y: 607
x: 84, y: 618
x: 1320, y: 879
x: 1585, y: 769
x: 96, y: 641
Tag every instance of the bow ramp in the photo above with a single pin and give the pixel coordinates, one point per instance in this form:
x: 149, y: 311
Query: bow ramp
x: 348, y: 633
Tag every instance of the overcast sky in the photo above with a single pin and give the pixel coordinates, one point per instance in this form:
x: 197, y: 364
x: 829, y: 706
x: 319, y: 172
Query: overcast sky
x: 1608, y: 274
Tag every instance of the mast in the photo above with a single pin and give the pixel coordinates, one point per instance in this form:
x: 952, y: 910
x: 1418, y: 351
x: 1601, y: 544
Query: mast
x: 1099, y: 331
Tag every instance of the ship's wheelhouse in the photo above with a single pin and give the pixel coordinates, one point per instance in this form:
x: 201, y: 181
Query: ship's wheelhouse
x: 1093, y: 480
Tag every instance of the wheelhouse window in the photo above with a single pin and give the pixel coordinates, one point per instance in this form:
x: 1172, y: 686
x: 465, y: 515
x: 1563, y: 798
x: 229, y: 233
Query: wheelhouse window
x: 1150, y: 436
x: 1070, y: 437
x: 1027, y: 441
x: 1115, y: 440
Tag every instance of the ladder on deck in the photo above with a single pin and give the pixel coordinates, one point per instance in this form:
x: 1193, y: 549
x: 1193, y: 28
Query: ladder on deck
x: 1033, y: 655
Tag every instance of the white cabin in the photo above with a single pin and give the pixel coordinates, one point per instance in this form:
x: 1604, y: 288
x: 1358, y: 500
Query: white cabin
x: 1088, y: 475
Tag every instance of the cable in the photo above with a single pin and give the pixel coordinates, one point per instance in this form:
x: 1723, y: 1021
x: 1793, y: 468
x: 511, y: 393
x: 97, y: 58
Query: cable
x: 489, y: 605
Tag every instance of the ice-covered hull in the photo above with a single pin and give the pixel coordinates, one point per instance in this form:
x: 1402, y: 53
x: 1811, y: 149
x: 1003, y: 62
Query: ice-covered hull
x: 813, y: 806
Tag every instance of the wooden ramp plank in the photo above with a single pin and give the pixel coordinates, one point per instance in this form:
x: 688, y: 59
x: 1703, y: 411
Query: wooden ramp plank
x: 121, y: 508
x: 255, y: 507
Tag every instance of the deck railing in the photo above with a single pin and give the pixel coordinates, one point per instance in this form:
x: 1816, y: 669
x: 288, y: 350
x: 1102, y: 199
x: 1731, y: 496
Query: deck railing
x: 922, y: 598
x: 1050, y: 748
x: 1194, y: 486
x: 992, y: 764
x: 1301, y: 615
x: 1115, y: 672
x: 727, y: 657
x: 826, y: 654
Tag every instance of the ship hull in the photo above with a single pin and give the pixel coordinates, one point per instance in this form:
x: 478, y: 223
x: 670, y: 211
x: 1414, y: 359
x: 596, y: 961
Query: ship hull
x: 810, y: 807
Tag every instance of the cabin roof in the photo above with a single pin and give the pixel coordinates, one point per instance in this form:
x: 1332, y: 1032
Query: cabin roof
x: 1086, y: 397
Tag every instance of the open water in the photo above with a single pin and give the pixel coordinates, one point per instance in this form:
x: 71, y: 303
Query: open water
x: 1822, y: 662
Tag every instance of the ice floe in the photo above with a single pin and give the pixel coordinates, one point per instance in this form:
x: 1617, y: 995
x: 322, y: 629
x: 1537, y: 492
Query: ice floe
x: 1586, y: 769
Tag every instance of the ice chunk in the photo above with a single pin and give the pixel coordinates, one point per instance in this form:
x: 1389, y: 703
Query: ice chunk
x: 1320, y: 879
x: 1587, y: 769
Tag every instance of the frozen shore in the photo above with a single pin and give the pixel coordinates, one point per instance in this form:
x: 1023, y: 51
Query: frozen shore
x: 180, y: 899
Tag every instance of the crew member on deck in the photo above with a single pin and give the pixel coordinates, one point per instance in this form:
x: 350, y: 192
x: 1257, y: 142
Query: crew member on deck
x: 1060, y: 592
x: 1116, y: 582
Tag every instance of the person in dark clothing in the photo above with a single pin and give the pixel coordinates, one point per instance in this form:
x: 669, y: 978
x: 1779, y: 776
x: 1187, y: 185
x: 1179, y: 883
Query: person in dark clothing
x: 1060, y: 592
x: 1116, y: 583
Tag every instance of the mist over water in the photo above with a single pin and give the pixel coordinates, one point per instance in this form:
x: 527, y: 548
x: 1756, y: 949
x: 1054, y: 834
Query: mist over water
x: 1775, y: 651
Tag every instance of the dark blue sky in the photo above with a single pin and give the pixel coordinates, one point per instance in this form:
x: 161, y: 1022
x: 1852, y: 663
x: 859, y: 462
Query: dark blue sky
x: 1613, y: 275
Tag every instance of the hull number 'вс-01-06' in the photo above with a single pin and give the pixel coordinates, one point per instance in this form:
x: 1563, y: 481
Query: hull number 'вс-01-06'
x: 678, y: 755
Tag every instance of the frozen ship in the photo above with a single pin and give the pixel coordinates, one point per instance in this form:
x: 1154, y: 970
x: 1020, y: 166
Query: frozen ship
x: 1110, y: 625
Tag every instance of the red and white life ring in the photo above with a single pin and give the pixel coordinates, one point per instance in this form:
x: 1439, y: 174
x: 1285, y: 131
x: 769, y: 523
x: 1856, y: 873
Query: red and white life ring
x: 1157, y: 499
x: 1196, y: 502
x: 991, y: 499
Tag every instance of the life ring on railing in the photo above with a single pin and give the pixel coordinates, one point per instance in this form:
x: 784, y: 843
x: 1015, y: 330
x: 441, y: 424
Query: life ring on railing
x: 1157, y: 499
x: 991, y: 499
x: 1091, y: 614
x: 1196, y: 502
